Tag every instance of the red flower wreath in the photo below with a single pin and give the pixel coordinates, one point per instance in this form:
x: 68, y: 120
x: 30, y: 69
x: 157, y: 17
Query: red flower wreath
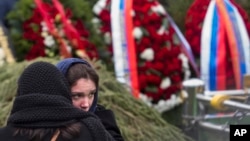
x: 50, y: 44
x: 161, y: 65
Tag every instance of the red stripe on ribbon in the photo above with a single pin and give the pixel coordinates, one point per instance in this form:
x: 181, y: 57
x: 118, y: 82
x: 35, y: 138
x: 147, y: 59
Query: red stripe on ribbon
x: 221, y: 58
x: 69, y: 29
x: 232, y: 42
x: 131, y: 49
x: 46, y: 17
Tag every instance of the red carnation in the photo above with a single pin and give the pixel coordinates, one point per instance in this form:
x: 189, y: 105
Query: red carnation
x: 153, y: 79
x: 143, y: 81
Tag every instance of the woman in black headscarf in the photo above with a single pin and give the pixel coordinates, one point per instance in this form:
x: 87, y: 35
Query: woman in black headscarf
x: 43, y: 110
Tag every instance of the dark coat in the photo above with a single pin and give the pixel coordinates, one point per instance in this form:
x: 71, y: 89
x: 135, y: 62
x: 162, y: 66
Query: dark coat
x: 107, y: 118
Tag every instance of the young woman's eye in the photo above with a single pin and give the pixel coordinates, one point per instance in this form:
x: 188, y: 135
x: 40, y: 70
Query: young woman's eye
x: 75, y: 96
x: 91, y: 94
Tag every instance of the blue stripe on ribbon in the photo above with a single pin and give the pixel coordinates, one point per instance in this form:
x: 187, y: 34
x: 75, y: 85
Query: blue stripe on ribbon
x: 213, y: 51
x: 124, y: 40
x: 121, y: 6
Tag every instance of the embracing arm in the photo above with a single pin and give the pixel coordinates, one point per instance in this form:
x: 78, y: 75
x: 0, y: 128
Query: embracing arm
x: 107, y: 118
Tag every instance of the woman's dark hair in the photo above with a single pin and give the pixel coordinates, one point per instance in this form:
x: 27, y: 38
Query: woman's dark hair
x: 67, y: 133
x: 78, y: 71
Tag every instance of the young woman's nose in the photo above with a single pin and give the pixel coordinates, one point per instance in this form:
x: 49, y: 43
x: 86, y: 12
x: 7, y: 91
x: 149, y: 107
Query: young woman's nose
x: 84, y: 104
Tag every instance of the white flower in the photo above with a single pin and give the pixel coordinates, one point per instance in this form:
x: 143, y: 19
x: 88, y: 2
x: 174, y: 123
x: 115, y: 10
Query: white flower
x: 165, y: 83
x: 161, y: 30
x: 167, y: 106
x: 173, y: 97
x: 147, y: 54
x: 97, y: 10
x: 179, y: 100
x: 163, y: 105
x: 185, y: 65
x: 44, y: 26
x: 158, y: 9
x: 187, y: 74
x: 98, y: 7
x: 49, y: 41
x: 44, y: 34
x: 137, y: 32
x: 133, y: 13
x: 183, y: 57
x: 69, y: 48
x: 107, y: 38
x: 102, y: 3
x: 146, y: 99
x: 95, y: 21
x: 159, y: 106
x: 184, y: 94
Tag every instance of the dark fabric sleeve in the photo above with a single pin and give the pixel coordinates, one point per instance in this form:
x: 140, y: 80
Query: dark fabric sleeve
x: 97, y: 130
x: 84, y: 134
x: 107, y: 118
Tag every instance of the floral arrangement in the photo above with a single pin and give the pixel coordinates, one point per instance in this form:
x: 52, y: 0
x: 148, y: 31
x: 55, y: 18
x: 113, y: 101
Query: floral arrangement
x: 53, y: 29
x: 193, y: 25
x: 66, y: 38
x: 161, y: 65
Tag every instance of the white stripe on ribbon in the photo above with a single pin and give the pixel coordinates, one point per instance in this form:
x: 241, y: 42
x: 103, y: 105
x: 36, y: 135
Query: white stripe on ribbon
x: 117, y: 28
x: 205, y: 44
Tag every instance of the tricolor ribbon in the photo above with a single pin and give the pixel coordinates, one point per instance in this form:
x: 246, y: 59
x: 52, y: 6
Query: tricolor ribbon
x: 123, y: 44
x: 223, y: 36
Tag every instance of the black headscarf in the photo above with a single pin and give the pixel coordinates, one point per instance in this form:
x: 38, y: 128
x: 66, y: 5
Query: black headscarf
x: 43, y: 99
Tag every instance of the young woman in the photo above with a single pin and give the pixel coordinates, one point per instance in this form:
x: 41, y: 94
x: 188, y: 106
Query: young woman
x: 43, y: 110
x: 83, y: 81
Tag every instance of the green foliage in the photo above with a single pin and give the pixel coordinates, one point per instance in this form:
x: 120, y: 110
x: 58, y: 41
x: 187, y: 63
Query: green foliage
x: 245, y: 5
x: 136, y: 120
x: 177, y: 9
x: 15, y: 20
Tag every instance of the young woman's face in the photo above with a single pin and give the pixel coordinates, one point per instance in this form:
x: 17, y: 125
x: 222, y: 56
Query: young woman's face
x: 82, y: 93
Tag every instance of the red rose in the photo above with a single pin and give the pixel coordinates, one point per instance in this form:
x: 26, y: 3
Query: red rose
x: 175, y: 78
x: 81, y: 29
x: 158, y: 66
x: 153, y: 79
x: 137, y: 22
x: 105, y: 29
x: 105, y: 16
x: 170, y: 90
x: 145, y: 8
x: 157, y: 95
x: 37, y: 50
x: 143, y: 81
